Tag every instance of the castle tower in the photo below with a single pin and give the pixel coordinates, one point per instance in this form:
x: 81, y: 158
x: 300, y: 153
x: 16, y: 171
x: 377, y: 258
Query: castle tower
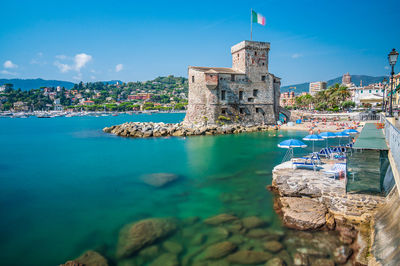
x: 246, y: 93
x: 251, y: 58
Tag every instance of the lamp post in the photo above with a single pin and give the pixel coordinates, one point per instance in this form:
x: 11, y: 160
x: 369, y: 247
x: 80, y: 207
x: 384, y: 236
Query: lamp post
x: 392, y: 61
x: 384, y: 82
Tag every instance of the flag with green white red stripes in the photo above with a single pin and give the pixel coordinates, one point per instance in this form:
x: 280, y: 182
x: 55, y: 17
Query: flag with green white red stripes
x: 258, y: 18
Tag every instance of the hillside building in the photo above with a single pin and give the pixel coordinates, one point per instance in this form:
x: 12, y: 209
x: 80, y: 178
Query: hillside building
x: 317, y: 86
x: 246, y: 93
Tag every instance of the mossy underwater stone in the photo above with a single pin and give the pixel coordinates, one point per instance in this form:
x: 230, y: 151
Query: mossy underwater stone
x: 249, y: 257
x: 253, y: 222
x: 166, y: 259
x: 133, y: 237
x: 159, y: 179
x: 172, y: 247
x: 273, y: 246
x: 220, y: 219
x: 89, y: 258
x: 219, y: 250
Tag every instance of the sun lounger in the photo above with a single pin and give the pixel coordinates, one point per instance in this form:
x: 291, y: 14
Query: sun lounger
x: 337, y: 170
x: 311, y: 162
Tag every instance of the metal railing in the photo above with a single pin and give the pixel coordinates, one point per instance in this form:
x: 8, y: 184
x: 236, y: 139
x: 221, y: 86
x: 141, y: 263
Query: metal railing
x: 392, y: 135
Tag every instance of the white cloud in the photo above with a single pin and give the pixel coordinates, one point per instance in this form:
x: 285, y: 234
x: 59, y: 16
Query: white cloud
x: 296, y: 55
x: 81, y: 60
x: 119, y: 67
x: 62, y: 67
x: 61, y: 57
x: 5, y: 72
x: 93, y: 77
x: 9, y: 64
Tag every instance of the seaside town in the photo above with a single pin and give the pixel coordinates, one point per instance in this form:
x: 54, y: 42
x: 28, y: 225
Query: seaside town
x: 222, y: 166
x: 161, y: 94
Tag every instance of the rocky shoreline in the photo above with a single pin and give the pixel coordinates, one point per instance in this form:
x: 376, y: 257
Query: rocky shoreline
x: 308, y: 200
x: 150, y: 129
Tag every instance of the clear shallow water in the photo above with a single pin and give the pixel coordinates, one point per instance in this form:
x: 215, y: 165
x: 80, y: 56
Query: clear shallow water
x: 65, y: 186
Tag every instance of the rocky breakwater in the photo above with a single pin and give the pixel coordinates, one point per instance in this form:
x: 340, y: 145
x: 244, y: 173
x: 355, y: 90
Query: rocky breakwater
x: 311, y: 200
x: 150, y: 129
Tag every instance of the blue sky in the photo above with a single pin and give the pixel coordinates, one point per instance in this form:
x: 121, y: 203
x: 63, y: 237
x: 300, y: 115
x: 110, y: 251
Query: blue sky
x: 140, y: 40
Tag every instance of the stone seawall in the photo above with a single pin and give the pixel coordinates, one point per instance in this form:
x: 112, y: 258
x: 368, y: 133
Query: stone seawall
x: 149, y: 129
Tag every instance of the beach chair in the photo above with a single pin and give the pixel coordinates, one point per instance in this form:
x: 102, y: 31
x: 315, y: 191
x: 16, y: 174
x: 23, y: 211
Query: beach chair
x: 337, y: 170
x: 325, y: 152
x: 349, y: 145
x: 311, y: 162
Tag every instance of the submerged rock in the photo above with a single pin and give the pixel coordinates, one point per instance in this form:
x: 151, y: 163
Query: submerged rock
x: 302, y: 213
x: 321, y: 261
x: 275, y: 262
x: 159, y: 179
x: 89, y: 258
x: 273, y: 246
x: 249, y: 257
x: 252, y: 222
x: 149, y: 252
x: 172, y: 247
x: 166, y: 259
x: 219, y: 250
x: 300, y: 259
x: 136, y: 236
x: 220, y: 219
x: 258, y: 233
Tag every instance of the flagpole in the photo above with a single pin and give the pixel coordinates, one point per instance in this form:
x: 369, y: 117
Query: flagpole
x: 251, y: 24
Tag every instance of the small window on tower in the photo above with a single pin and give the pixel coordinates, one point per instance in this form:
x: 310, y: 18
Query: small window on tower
x: 241, y: 110
x: 237, y: 55
x: 255, y: 53
x: 255, y: 93
x: 250, y: 100
x: 240, y: 95
x: 232, y: 77
x: 223, y: 95
x: 192, y: 78
x: 263, y: 78
x: 223, y: 111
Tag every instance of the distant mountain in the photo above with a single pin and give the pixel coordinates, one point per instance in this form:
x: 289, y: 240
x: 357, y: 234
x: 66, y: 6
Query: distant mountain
x: 366, y: 80
x: 28, y: 84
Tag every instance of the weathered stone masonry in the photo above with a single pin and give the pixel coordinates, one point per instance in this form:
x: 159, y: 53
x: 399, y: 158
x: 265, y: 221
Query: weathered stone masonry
x: 246, y: 93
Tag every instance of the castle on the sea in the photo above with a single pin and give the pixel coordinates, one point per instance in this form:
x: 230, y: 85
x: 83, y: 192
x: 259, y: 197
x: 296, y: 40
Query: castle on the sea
x: 246, y: 93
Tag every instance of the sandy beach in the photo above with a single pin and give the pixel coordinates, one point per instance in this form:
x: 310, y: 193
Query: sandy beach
x: 316, y: 127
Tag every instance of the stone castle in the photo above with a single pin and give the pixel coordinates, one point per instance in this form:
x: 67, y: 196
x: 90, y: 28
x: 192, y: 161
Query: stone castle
x: 246, y: 93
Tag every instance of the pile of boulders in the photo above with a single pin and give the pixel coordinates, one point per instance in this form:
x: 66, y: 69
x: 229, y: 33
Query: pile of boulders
x: 150, y: 129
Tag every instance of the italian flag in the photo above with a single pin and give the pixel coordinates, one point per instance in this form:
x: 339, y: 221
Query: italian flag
x: 258, y: 18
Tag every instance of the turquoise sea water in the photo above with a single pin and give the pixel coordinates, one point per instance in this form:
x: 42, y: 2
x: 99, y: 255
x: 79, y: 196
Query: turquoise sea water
x: 66, y: 187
